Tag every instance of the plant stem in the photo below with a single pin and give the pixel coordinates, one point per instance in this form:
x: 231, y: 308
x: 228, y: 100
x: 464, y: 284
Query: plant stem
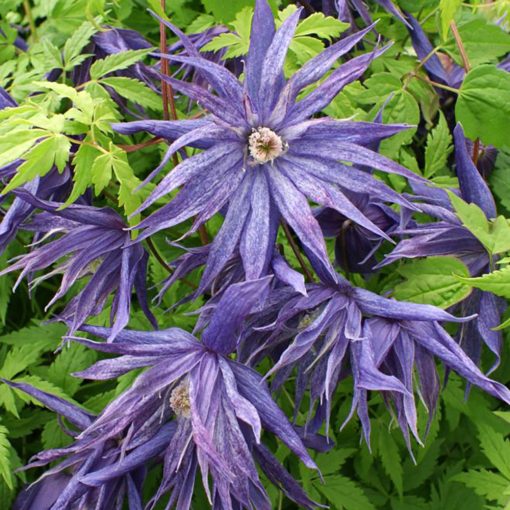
x: 30, y: 18
x: 462, y: 50
x: 169, y: 110
x: 161, y: 260
x: 296, y: 251
x: 138, y: 146
x: 476, y: 151
x: 436, y: 84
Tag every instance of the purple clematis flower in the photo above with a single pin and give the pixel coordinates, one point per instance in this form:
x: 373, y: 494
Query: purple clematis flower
x: 61, y: 487
x: 91, y: 237
x: 449, y: 237
x: 355, y: 246
x: 219, y: 406
x: 339, y: 329
x: 264, y: 157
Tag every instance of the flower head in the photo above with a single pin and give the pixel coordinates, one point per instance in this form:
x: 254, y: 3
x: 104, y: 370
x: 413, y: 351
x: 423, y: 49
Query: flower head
x: 93, y: 241
x: 264, y: 157
x: 339, y: 329
x: 219, y: 408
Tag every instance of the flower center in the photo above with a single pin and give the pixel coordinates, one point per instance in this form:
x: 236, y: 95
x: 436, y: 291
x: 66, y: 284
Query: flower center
x: 265, y: 145
x: 179, y: 400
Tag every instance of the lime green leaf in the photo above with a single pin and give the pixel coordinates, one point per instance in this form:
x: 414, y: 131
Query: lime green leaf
x: 129, y: 199
x: 75, y: 44
x: 116, y: 62
x: 135, y: 91
x: 500, y: 179
x: 447, y: 10
x: 485, y: 483
x: 497, y: 282
x: 83, y: 161
x: 483, y: 105
x: 344, y: 493
x: 13, y: 147
x: 325, y: 27
x: 433, y: 281
x: 101, y: 172
x: 41, y: 337
x: 439, y: 146
x: 5, y: 457
x: 226, y: 11
x: 39, y: 160
x: 494, y: 235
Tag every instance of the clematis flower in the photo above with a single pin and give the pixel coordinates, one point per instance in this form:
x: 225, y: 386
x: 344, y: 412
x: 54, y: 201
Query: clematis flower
x: 339, y: 329
x: 449, y: 237
x: 355, y: 246
x: 61, y: 488
x: 219, y: 408
x: 90, y: 237
x: 264, y: 156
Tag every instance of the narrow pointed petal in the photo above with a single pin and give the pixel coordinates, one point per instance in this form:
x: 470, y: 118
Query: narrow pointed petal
x: 231, y: 311
x: 472, y: 185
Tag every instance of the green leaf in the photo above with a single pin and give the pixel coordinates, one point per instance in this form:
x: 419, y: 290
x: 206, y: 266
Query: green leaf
x: 483, y: 105
x: 500, y: 179
x: 226, y: 11
x: 135, y: 91
x: 484, y: 42
x: 75, y: 44
x: 494, y: 235
x: 496, y: 448
x: 447, y: 10
x: 390, y: 458
x: 41, y: 337
x: 497, y: 282
x: 485, y: 483
x: 5, y: 457
x: 73, y: 358
x: 39, y: 160
x: 432, y: 281
x: 438, y: 148
x: 325, y: 27
x: 116, y: 62
x: 101, y: 172
x: 344, y: 493
x: 129, y: 199
x: 83, y: 161
x: 53, y: 436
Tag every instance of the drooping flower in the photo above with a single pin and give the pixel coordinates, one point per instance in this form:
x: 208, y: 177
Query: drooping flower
x: 219, y: 406
x: 61, y: 487
x: 264, y: 157
x: 449, y: 237
x: 338, y: 329
x: 355, y: 246
x: 94, y: 241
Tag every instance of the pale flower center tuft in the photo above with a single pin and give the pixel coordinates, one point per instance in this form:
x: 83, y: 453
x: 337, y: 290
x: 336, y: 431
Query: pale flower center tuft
x: 179, y: 400
x: 265, y: 145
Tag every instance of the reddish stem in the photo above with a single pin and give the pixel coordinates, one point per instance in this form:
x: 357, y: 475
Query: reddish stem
x: 138, y: 146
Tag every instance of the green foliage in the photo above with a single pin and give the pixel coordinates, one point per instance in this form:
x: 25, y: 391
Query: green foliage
x: 438, y: 148
x: 447, y: 10
x: 433, y: 281
x: 497, y: 282
x: 483, y: 106
x: 116, y: 62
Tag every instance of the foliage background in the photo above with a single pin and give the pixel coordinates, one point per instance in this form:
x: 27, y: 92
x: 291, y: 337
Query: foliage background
x: 465, y: 462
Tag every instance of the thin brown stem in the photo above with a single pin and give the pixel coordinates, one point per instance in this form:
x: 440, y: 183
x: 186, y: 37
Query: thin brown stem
x: 476, y: 151
x: 162, y: 261
x: 169, y: 109
x: 462, y: 50
x: 296, y: 251
x: 436, y: 84
x: 138, y: 146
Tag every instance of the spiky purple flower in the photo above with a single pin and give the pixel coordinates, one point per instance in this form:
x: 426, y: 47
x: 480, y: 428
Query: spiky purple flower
x: 61, y: 486
x: 264, y: 156
x: 94, y: 242
x: 337, y: 330
x: 219, y: 406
